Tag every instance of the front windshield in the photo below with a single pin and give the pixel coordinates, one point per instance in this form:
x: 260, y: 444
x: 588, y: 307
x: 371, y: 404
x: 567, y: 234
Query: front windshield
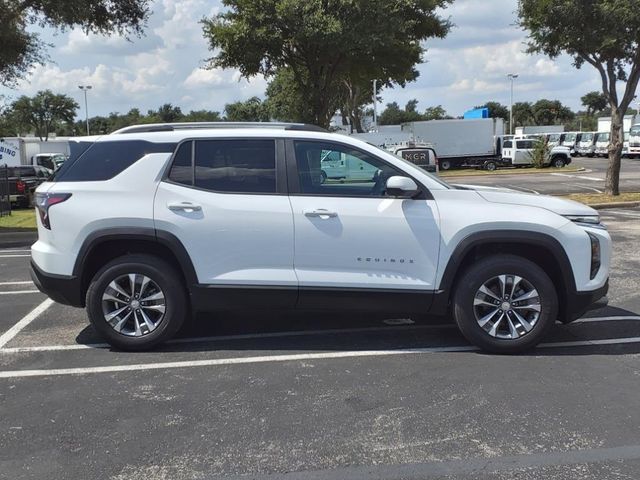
x: 570, y: 137
x: 587, y: 137
x: 554, y: 137
x: 635, y: 131
x: 603, y: 137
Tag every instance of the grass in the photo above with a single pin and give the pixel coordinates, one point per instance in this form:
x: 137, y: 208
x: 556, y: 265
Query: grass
x: 596, y: 198
x: 19, y: 219
x: 506, y: 171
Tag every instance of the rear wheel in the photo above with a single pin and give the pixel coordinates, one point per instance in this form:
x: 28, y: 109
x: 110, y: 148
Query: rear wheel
x: 491, y: 166
x: 445, y: 165
x: 505, y: 304
x: 137, y: 302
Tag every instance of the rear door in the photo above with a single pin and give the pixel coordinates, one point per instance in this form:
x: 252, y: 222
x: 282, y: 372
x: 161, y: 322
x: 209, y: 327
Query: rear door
x: 225, y: 200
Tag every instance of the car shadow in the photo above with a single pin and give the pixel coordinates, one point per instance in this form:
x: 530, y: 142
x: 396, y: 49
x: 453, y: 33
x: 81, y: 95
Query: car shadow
x: 285, y: 331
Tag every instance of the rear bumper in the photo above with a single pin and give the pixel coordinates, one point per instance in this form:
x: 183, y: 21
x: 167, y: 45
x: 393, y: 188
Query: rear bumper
x: 60, y: 288
x: 581, y: 302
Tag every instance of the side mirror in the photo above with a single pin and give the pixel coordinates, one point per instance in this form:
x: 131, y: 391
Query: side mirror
x: 402, y: 187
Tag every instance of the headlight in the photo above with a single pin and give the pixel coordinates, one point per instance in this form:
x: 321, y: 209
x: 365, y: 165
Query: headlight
x: 595, y: 255
x: 591, y: 221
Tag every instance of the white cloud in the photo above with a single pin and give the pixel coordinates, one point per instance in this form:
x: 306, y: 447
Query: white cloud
x: 200, y: 77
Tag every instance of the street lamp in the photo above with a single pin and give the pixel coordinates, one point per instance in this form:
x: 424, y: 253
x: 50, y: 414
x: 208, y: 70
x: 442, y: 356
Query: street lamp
x: 85, y: 88
x: 512, y: 77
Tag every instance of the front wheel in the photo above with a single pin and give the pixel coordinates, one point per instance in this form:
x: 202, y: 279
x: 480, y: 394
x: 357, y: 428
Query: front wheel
x: 491, y: 166
x: 136, y: 302
x: 505, y: 304
x: 445, y: 165
x: 558, y: 162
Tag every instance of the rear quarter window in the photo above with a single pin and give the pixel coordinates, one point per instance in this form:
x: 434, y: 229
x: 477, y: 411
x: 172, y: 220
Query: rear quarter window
x: 105, y: 160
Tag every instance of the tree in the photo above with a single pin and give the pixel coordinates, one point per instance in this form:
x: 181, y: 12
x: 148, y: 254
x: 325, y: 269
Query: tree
x: 284, y: 101
x: 44, y: 111
x: 496, y: 110
x: 604, y: 34
x: 394, y: 115
x: 253, y: 110
x: 595, y: 102
x: 323, y: 42
x: 523, y: 114
x: 22, y: 48
x: 435, y: 113
x: 202, y: 116
x: 550, y: 112
x: 167, y: 113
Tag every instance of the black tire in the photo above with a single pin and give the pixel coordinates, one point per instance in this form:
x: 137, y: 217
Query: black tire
x: 445, y: 165
x: 558, y: 162
x: 164, y: 276
x: 481, y: 272
x: 491, y: 166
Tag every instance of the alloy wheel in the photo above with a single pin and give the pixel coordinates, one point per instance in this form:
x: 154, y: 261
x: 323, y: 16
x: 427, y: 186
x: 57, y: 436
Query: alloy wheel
x: 507, y: 306
x: 133, y: 305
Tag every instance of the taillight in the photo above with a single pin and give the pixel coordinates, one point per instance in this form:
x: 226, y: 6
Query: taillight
x: 44, y: 201
x: 20, y: 186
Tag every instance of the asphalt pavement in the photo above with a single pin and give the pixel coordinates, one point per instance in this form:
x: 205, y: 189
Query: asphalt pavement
x: 277, y: 395
x: 560, y: 181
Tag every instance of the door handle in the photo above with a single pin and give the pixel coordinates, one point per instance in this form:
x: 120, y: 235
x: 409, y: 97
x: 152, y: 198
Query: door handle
x: 183, y: 207
x: 320, y: 212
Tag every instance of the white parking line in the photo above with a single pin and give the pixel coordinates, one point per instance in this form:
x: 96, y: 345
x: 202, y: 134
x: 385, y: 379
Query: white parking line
x: 625, y: 214
x: 584, y: 187
x: 605, y: 319
x: 287, y: 358
x: 15, y: 251
x: 27, y: 282
x: 19, y: 292
x: 14, y: 256
x: 593, y: 179
x: 26, y: 320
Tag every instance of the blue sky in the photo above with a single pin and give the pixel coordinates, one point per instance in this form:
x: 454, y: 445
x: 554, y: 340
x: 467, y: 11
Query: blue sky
x: 467, y: 68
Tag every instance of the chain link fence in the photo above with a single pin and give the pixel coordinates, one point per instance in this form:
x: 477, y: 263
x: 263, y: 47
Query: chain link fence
x: 5, y: 199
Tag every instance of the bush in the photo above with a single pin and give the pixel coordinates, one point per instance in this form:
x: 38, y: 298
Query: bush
x: 540, y: 152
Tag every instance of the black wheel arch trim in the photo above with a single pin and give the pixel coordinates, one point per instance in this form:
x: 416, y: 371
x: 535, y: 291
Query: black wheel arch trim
x: 164, y: 238
x: 521, y: 237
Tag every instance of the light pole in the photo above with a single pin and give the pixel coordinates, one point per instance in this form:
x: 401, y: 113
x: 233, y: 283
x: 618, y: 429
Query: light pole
x: 84, y: 88
x: 512, y: 77
x: 375, y: 105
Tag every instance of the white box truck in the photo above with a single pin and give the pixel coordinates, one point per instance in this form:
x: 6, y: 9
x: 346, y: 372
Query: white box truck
x: 536, y: 129
x: 604, y: 123
x: 467, y: 142
x: 16, y: 151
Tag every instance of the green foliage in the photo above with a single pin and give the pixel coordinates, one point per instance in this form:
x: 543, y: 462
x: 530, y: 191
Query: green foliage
x: 252, y: 110
x: 496, y: 110
x: 551, y: 112
x: 43, y: 112
x: 435, y: 113
x: 604, y: 34
x: 523, y: 114
x: 595, y: 102
x: 324, y: 43
x: 22, y: 48
x: 540, y: 153
x: 394, y: 115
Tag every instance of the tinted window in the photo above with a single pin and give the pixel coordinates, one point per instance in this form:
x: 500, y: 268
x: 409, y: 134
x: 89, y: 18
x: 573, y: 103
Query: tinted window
x: 508, y: 144
x: 338, y: 170
x: 105, y: 160
x: 247, y: 166
x: 182, y: 167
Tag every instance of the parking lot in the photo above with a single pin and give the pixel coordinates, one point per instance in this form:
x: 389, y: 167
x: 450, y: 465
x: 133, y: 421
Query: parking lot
x: 277, y: 395
x: 561, y: 182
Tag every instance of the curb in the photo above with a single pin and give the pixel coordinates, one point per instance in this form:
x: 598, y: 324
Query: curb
x: 603, y: 206
x: 519, y: 171
x: 17, y: 238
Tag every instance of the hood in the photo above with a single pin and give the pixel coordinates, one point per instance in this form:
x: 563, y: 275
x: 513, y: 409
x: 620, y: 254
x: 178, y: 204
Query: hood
x: 480, y: 188
x: 557, y: 205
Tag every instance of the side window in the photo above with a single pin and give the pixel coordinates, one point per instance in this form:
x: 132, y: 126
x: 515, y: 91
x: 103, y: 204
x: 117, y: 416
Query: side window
x: 104, y: 160
x: 338, y: 170
x: 182, y: 167
x: 508, y: 144
x: 241, y: 166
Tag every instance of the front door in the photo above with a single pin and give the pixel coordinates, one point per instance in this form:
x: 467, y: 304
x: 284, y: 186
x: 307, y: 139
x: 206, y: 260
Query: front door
x: 352, y: 238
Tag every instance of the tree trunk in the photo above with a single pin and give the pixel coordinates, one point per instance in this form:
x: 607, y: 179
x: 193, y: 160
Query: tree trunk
x: 612, y: 183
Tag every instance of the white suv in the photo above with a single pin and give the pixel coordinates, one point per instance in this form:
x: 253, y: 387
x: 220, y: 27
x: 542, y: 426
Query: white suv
x: 150, y: 224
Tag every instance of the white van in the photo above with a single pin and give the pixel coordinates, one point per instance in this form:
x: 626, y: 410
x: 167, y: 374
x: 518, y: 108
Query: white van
x: 586, y: 147
x: 336, y: 165
x: 602, y: 144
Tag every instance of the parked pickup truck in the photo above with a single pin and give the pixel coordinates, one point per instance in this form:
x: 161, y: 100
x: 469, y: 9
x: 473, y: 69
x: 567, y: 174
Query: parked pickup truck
x: 23, y: 181
x: 519, y: 153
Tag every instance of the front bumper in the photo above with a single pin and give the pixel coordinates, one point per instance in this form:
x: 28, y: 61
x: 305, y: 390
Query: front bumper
x: 63, y: 289
x: 581, y: 302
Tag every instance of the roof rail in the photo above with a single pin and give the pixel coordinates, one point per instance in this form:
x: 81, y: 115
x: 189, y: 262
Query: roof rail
x: 170, y: 127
